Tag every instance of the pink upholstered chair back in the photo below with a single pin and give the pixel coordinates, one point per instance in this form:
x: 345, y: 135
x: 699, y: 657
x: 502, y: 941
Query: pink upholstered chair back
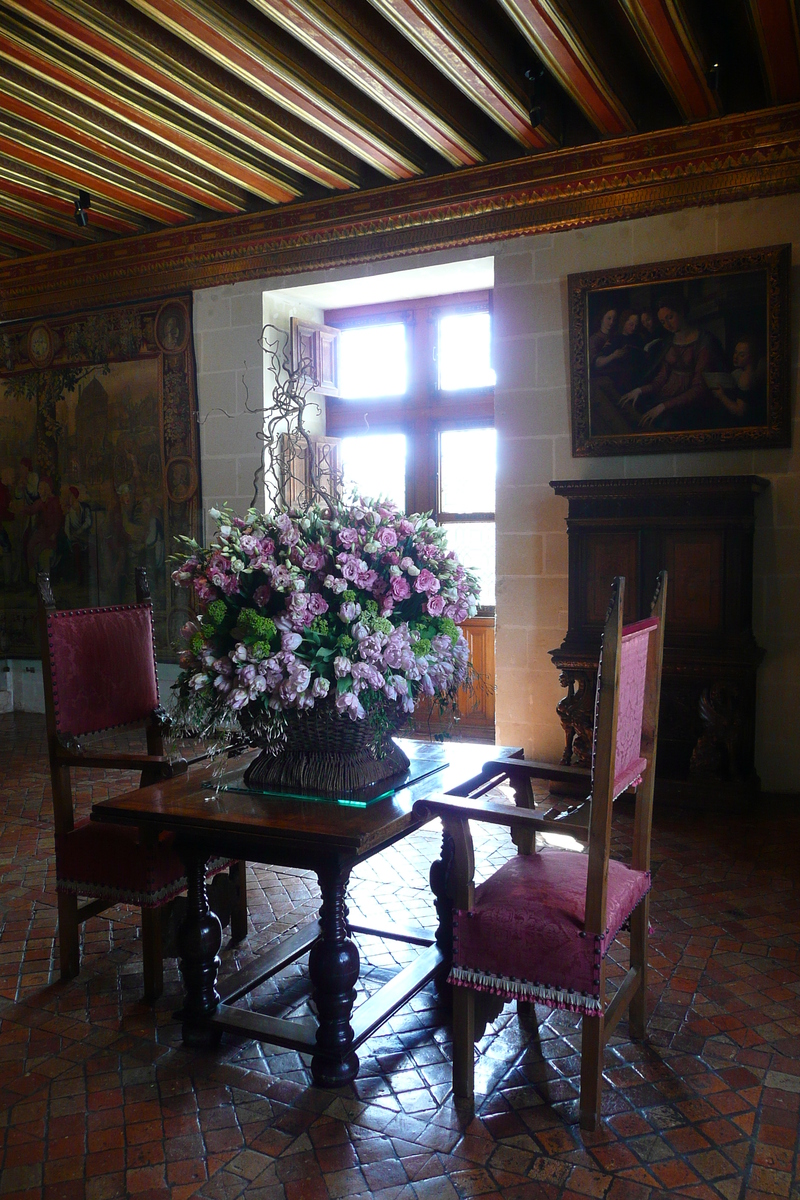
x: 628, y: 760
x: 103, y: 667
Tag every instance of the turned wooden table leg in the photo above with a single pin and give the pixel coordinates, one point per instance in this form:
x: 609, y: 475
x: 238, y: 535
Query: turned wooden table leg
x: 333, y: 965
x: 199, y: 940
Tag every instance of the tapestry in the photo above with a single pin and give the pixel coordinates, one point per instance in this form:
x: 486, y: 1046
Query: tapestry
x: 99, y: 463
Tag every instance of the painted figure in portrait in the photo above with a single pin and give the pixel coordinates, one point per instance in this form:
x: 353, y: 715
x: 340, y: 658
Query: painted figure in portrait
x: 686, y: 357
x: 84, y: 445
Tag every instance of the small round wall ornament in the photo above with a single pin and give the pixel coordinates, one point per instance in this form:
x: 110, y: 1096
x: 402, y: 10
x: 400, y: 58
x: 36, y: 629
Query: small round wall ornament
x: 172, y: 327
x: 41, y: 345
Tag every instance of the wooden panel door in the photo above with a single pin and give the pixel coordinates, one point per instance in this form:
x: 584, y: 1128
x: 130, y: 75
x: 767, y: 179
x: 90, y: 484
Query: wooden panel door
x: 694, y: 560
x: 476, y: 706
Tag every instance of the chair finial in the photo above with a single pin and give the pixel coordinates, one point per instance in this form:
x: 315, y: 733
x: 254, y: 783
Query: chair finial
x: 45, y: 589
x: 142, y: 585
x: 660, y: 579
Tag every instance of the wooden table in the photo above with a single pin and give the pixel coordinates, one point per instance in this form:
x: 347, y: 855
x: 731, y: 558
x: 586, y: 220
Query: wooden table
x: 330, y: 839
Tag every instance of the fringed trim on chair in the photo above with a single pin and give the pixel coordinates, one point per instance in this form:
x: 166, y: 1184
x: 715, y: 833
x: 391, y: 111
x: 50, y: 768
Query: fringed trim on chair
x: 153, y: 899
x: 520, y: 989
x: 114, y: 895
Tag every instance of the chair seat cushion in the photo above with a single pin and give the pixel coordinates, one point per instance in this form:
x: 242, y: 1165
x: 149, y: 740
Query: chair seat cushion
x: 524, y: 936
x: 110, y: 862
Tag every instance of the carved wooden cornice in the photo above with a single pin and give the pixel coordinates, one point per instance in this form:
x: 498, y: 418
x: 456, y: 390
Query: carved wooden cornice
x: 757, y: 154
x: 677, y: 486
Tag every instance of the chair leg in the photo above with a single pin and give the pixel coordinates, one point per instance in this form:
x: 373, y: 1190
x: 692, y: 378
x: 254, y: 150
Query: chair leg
x: 68, y: 940
x: 152, y: 956
x: 592, y: 1041
x: 463, y: 1043
x: 637, y: 1013
x: 238, y: 877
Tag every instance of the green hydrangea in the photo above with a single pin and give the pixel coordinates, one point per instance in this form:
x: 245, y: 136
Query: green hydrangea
x: 345, y: 642
x: 448, y: 626
x: 382, y: 625
x: 349, y: 596
x: 197, y: 644
x: 320, y: 625
x: 259, y: 651
x: 217, y: 611
x: 423, y: 646
x: 371, y: 606
x: 251, y: 622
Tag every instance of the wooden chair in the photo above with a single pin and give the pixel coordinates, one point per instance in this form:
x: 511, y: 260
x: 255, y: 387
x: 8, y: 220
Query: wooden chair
x: 539, y: 929
x: 99, y: 669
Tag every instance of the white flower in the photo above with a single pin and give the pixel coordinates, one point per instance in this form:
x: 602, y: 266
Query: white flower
x: 412, y: 570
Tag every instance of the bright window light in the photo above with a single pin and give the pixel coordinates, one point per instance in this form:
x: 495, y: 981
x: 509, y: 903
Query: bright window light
x: 465, y: 351
x: 372, y: 362
x: 473, y: 542
x: 467, y: 469
x: 375, y: 465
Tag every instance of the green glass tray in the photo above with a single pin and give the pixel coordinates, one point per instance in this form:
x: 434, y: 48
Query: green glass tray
x: 360, y: 798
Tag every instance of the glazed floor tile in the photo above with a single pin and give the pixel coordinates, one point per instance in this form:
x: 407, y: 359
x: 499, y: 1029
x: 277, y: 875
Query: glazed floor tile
x: 98, y: 1098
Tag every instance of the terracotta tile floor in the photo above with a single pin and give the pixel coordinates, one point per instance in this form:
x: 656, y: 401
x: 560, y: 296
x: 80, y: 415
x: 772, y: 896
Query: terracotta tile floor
x: 98, y: 1099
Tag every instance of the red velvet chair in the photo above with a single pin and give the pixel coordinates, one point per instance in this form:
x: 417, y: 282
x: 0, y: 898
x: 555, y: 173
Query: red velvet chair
x: 99, y: 670
x: 539, y: 929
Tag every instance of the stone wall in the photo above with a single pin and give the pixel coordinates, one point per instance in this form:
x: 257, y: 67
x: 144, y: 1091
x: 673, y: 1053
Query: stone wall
x: 532, y: 414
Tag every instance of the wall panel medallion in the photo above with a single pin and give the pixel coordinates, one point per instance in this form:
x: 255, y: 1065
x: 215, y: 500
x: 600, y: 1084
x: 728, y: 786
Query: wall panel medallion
x: 691, y: 354
x: 99, y: 462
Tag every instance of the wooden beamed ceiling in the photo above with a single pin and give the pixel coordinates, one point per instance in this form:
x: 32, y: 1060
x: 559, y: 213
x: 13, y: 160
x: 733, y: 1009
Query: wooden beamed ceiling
x: 172, y: 113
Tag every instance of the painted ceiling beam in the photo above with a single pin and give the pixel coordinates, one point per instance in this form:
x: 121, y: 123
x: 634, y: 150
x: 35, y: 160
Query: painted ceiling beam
x: 559, y: 45
x: 777, y: 28
x: 21, y: 236
x: 665, y: 32
x: 38, y: 217
x: 431, y: 28
x: 195, y: 86
x: 331, y: 32
x: 62, y: 119
x: 137, y: 110
x: 26, y: 145
x: 214, y: 32
x: 36, y: 189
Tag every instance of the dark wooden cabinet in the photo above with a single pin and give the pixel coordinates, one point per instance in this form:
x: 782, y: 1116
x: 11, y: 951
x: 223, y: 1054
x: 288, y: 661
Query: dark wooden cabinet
x: 701, y: 530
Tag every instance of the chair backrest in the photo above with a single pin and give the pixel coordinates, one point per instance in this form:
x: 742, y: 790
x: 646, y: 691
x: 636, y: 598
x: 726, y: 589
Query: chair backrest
x: 99, y: 664
x: 625, y: 737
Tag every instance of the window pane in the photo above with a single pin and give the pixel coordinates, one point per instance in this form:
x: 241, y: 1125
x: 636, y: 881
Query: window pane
x: 373, y: 361
x: 375, y: 465
x: 467, y: 469
x: 473, y: 542
x: 465, y: 351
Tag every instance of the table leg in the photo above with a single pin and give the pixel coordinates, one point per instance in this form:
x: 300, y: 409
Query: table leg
x: 440, y: 879
x: 199, y: 940
x: 333, y: 965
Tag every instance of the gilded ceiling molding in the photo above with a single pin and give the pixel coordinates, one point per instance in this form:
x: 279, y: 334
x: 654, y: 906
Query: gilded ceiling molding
x: 757, y: 154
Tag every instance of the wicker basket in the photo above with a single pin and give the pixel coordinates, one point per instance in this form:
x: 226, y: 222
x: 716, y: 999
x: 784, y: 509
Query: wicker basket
x: 324, y: 753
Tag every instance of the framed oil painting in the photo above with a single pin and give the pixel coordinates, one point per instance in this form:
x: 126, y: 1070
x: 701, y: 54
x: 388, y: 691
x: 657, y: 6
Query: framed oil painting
x: 99, y: 464
x: 691, y: 354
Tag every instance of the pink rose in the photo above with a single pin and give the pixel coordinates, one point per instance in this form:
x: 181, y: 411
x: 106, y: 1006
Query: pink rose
x: 426, y: 582
x: 435, y: 606
x: 401, y: 588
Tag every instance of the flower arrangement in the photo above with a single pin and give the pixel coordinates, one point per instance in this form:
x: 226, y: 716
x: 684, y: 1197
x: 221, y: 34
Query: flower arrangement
x: 351, y: 605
